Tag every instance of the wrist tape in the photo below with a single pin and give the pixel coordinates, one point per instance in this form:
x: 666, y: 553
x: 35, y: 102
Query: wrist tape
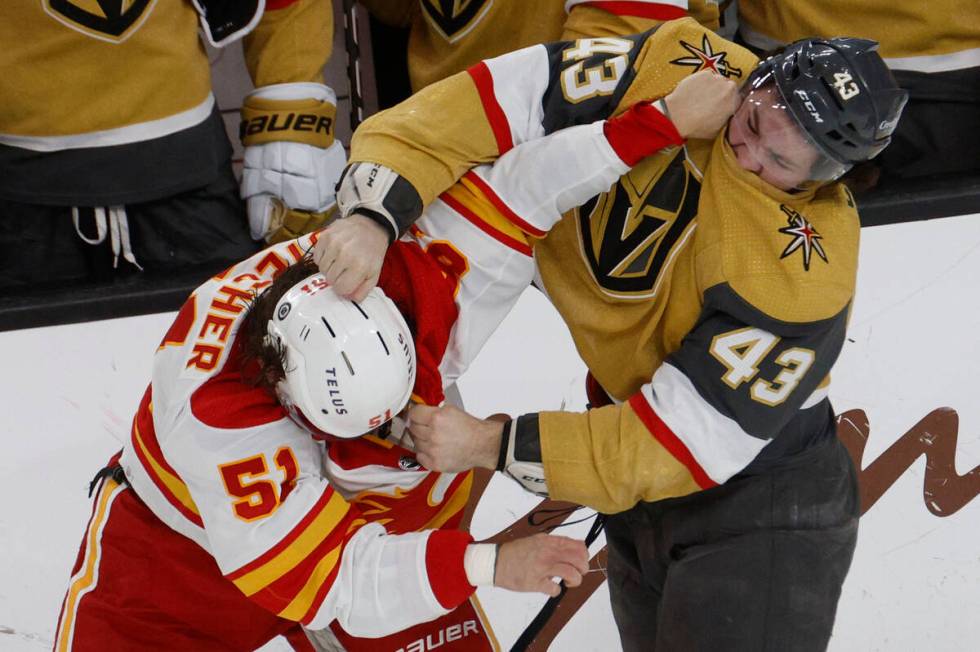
x: 480, y: 563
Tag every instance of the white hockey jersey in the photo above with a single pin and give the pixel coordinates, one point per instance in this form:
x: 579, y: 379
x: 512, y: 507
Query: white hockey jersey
x: 351, y: 535
x: 346, y: 531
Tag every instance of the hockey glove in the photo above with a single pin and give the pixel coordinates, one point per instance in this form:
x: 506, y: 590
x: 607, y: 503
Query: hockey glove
x: 292, y: 161
x: 381, y: 194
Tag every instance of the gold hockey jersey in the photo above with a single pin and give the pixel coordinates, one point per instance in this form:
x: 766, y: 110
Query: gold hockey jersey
x: 448, y: 37
x: 108, y: 105
x: 919, y: 36
x: 709, y: 303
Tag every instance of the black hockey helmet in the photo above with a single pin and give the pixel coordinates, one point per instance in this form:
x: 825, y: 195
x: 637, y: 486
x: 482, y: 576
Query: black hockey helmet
x: 840, y: 92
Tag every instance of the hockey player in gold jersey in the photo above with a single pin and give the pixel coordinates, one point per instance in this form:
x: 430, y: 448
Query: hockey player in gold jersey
x: 707, y: 290
x: 933, y: 49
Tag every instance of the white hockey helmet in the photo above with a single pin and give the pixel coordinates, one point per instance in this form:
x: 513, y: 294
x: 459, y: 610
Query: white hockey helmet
x: 350, y: 367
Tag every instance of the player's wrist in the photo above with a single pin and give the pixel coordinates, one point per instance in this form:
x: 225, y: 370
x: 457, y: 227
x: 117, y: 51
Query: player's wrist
x: 370, y: 223
x: 493, y: 433
x: 480, y: 563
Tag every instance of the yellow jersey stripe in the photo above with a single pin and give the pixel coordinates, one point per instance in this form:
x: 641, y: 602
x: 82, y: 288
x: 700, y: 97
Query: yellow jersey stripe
x: 296, y: 609
x: 84, y: 580
x: 456, y: 503
x: 470, y: 196
x: 174, y: 484
x: 320, y: 528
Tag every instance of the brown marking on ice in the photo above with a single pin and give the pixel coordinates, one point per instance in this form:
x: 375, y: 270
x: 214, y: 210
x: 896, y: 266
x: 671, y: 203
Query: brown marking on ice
x: 944, y: 491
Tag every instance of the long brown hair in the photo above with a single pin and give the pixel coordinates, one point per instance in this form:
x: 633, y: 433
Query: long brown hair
x: 256, y: 347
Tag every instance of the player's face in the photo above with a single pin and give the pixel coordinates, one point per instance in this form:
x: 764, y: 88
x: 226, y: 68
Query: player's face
x: 767, y: 142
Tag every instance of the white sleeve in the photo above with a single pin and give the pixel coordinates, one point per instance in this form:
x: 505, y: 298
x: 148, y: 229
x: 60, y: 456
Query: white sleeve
x: 542, y: 179
x: 291, y: 543
x: 490, y: 218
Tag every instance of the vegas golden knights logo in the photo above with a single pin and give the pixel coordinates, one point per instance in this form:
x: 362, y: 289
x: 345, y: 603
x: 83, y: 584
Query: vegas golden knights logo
x: 107, y: 20
x: 455, y: 18
x: 629, y: 234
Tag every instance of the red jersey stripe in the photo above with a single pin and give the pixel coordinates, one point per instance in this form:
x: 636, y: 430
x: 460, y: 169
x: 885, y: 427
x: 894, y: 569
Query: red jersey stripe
x: 321, y: 595
x: 171, y: 498
x: 663, y: 434
x: 475, y: 219
x: 639, y: 9
x: 495, y: 114
x: 502, y: 207
x: 273, y: 552
x: 272, y: 5
x: 164, y: 477
x: 292, y: 594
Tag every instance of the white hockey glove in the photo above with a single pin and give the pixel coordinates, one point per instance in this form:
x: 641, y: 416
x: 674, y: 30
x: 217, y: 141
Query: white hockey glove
x: 381, y: 194
x: 520, y: 454
x: 292, y: 162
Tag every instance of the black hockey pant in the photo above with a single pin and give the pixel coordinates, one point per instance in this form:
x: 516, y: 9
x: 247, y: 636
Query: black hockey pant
x: 204, y: 227
x: 754, y: 564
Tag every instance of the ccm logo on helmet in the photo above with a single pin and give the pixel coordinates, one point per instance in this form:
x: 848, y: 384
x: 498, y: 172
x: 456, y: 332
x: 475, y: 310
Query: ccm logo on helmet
x: 285, y: 122
x: 808, y: 105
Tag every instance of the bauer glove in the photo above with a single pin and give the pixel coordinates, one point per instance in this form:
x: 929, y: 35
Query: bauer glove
x: 292, y: 161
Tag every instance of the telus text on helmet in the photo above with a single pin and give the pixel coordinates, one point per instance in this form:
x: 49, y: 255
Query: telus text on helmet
x: 335, y: 397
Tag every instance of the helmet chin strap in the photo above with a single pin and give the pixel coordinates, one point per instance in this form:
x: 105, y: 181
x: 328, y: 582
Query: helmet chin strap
x: 397, y: 430
x: 296, y: 416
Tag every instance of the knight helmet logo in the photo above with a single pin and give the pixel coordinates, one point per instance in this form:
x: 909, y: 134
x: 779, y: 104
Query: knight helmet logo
x: 107, y: 20
x: 455, y: 18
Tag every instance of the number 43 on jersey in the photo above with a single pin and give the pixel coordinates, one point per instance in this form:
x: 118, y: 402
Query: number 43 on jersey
x: 743, y: 350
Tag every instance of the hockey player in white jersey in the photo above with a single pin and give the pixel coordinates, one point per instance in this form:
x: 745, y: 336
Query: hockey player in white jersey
x: 247, y: 499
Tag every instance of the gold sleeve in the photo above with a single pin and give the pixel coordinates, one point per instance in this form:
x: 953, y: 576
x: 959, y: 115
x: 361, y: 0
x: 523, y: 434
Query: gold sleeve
x: 674, y: 51
x: 608, y: 460
x: 291, y: 44
x: 432, y: 138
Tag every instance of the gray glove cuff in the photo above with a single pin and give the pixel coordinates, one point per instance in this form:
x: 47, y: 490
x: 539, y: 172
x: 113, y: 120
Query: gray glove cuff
x: 381, y: 194
x: 520, y: 454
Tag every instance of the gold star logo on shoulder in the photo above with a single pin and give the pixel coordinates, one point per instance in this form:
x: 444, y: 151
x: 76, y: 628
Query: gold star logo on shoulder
x: 805, y: 237
x: 706, y: 58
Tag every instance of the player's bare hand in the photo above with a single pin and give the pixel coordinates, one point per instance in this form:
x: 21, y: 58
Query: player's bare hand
x: 450, y: 440
x: 350, y: 253
x: 701, y: 104
x: 532, y: 563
